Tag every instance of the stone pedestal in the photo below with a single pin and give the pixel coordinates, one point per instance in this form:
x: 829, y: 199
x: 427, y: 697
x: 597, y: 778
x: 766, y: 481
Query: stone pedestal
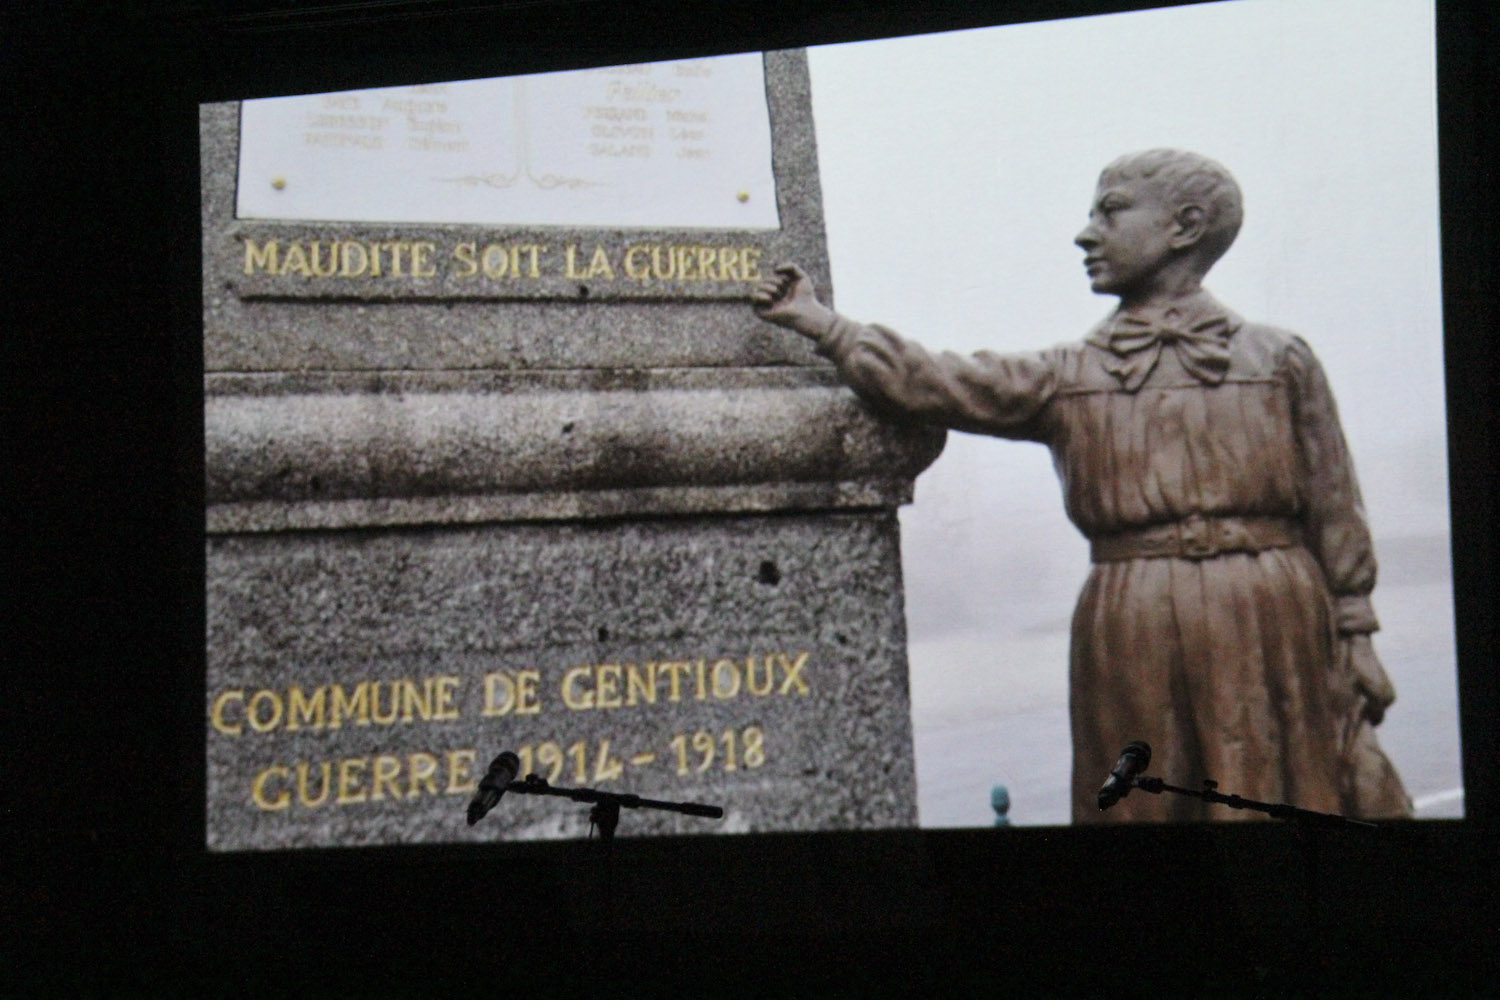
x: 616, y: 525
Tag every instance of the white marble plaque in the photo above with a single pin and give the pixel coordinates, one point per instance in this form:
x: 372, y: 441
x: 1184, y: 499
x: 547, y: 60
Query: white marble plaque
x: 672, y: 145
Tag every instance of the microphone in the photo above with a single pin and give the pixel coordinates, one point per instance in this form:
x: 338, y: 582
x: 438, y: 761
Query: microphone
x: 1133, y: 760
x: 501, y: 773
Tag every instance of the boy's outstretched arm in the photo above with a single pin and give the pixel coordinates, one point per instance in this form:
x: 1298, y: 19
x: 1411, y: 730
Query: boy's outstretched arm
x: 788, y: 300
x: 986, y: 393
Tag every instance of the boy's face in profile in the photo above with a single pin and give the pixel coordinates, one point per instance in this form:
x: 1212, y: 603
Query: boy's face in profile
x: 1127, y: 237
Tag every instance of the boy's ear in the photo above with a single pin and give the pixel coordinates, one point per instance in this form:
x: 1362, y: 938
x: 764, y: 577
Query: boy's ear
x: 1189, y: 223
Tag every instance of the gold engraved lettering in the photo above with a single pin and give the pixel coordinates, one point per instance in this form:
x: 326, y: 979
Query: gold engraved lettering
x: 750, y: 264
x: 607, y: 686
x: 495, y: 261
x: 421, y: 267
x: 460, y: 775
x: 492, y: 682
x: 526, y: 698
x: 295, y: 260
x: 727, y: 738
x: 262, y: 257
x: 303, y: 711
x: 350, y: 790
x: 394, y: 701
x: 724, y: 690
x: 216, y: 713
x: 258, y: 722
x: 319, y: 268
x: 550, y: 755
x: 577, y: 701
x: 606, y: 766
x: 764, y: 688
x: 423, y: 767
x: 387, y: 770
x: 464, y: 253
x: 307, y: 800
x: 377, y: 778
x: 702, y: 686
x: 793, y: 673
x: 580, y: 763
x: 638, y: 682
x: 347, y: 250
x: 635, y: 267
x: 703, y: 742
x: 396, y: 247
x: 657, y: 271
x: 443, y: 691
x: 258, y: 789
x: 416, y: 704
x: 374, y: 259
x: 598, y: 264
x: 355, y: 706
x: 729, y: 259
x: 755, y: 746
x: 706, y: 260
x: 534, y: 249
x: 674, y: 669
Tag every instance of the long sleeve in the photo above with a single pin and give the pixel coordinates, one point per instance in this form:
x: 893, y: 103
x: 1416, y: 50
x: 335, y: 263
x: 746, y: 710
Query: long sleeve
x: 1336, y: 530
x: 986, y: 393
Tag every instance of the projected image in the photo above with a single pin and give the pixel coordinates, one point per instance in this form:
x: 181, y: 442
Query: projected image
x: 1325, y: 116
x: 508, y: 448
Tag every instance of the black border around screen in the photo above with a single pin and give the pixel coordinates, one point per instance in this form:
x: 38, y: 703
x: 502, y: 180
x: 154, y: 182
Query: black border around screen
x: 111, y: 655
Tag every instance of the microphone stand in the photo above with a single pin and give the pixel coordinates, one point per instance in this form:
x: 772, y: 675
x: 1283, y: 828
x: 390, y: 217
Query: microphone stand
x: 606, y: 812
x: 1279, y: 810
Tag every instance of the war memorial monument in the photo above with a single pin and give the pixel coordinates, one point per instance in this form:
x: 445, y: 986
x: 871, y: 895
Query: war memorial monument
x: 497, y: 457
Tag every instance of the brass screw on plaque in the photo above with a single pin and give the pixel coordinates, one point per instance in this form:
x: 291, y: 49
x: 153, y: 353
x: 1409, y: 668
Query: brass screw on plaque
x: 743, y: 195
x: 278, y: 182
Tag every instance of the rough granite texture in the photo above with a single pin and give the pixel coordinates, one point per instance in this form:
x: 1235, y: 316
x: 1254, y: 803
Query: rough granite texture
x: 442, y: 486
x: 324, y: 460
x: 344, y: 607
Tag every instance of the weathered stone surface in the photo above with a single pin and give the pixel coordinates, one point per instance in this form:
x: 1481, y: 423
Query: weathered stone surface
x: 363, y: 458
x: 346, y: 607
x: 417, y: 492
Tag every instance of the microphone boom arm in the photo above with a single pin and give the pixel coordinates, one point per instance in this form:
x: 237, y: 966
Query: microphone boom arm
x: 1279, y: 810
x: 607, y: 805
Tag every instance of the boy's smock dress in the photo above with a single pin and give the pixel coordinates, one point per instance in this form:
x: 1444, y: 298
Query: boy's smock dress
x: 1202, y: 457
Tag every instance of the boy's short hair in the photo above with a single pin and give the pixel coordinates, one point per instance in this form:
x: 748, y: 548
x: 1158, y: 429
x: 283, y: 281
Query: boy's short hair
x: 1189, y: 179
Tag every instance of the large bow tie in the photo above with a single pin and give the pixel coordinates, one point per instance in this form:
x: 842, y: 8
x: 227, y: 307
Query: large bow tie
x: 1134, y: 347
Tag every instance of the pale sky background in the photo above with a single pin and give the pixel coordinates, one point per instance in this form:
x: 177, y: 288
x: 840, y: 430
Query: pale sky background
x: 956, y: 170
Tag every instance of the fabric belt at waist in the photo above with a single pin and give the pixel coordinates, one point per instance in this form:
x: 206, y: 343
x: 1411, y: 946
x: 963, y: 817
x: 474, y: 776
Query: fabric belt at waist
x: 1197, y: 537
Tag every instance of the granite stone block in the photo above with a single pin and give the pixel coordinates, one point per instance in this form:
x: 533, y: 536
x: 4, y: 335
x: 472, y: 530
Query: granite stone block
x: 814, y: 602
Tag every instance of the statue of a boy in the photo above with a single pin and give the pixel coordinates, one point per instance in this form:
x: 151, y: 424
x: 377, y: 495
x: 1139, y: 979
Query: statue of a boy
x: 1227, y: 617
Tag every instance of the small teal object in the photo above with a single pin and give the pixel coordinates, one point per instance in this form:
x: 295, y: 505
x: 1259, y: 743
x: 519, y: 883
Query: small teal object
x: 1000, y: 802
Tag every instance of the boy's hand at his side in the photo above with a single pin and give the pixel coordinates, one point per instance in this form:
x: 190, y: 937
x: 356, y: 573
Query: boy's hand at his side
x: 788, y: 300
x: 1369, y: 677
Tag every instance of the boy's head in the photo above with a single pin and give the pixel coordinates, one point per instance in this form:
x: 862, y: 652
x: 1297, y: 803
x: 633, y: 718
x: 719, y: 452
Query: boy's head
x: 1194, y: 213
